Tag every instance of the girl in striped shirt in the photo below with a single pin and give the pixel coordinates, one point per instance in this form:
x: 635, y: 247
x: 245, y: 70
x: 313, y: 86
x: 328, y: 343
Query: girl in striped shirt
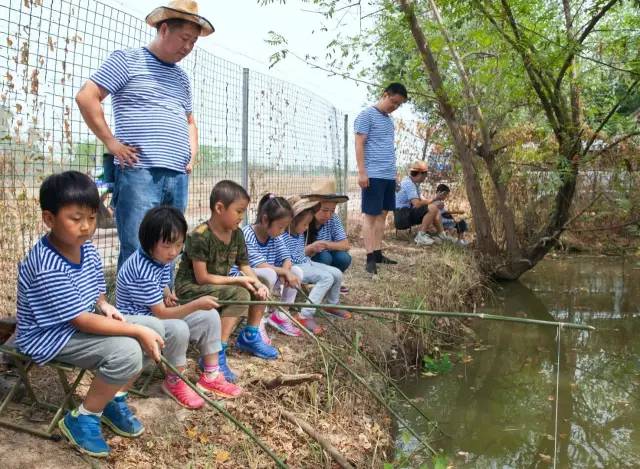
x: 326, y: 279
x: 270, y: 258
x: 142, y: 288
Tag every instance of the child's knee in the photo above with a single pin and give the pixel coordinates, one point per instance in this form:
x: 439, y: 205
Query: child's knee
x: 268, y: 277
x: 177, y: 331
x: 297, y: 271
x: 122, y: 363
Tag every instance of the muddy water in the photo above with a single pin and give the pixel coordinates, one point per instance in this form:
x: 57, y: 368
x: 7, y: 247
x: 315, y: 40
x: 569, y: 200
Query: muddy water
x: 497, y: 410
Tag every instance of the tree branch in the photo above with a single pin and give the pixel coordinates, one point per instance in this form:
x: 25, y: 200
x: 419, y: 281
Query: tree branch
x: 585, y: 33
x: 611, y: 113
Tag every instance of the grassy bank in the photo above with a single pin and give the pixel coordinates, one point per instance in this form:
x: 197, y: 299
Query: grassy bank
x: 337, y: 406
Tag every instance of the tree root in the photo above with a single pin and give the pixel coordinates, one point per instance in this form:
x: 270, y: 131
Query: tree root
x: 286, y: 380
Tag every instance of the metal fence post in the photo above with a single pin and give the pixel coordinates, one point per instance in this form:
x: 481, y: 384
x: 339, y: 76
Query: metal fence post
x: 244, y: 170
x: 345, y: 170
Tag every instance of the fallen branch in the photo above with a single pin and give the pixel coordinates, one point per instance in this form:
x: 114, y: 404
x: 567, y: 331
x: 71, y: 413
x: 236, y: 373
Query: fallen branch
x: 322, y: 441
x: 286, y: 380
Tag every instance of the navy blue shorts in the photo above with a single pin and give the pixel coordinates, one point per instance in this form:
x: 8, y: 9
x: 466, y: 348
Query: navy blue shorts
x: 379, y: 196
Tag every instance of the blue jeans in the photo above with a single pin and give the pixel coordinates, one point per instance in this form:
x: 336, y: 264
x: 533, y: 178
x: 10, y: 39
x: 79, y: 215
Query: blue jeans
x: 338, y: 259
x: 135, y: 191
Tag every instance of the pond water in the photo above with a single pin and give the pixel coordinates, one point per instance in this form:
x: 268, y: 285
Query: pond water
x: 497, y: 407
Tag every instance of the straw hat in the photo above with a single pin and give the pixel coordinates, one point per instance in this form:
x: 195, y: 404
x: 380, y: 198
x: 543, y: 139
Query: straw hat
x: 300, y: 204
x: 325, y: 191
x: 180, y: 9
x: 418, y: 166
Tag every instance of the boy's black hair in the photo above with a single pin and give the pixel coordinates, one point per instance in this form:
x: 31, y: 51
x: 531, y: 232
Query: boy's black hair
x: 443, y: 188
x: 274, y: 208
x: 163, y: 223
x: 227, y: 192
x: 397, y: 88
x: 68, y: 188
x: 174, y: 23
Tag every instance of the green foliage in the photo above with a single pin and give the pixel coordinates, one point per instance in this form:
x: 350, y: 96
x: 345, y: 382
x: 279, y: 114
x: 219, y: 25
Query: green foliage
x: 437, y: 366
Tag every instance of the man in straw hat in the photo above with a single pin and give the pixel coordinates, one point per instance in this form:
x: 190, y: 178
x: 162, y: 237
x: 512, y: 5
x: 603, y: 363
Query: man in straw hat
x: 376, y: 159
x: 412, y: 209
x: 155, y: 138
x: 326, y: 239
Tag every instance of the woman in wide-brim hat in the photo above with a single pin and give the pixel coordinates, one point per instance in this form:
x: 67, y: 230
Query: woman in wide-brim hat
x: 326, y: 280
x: 327, y: 241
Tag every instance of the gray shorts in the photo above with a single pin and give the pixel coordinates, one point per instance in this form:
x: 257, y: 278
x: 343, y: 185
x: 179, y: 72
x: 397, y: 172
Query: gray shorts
x: 115, y: 359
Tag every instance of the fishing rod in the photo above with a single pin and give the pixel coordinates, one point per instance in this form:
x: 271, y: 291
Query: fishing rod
x: 224, y: 412
x: 375, y: 367
x: 415, y: 312
x: 323, y: 347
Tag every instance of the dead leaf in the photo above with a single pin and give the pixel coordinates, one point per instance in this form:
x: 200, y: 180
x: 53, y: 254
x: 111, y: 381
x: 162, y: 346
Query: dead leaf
x: 222, y: 456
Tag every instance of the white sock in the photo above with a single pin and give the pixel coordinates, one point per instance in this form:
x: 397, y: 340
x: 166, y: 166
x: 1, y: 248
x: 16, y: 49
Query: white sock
x: 121, y: 393
x: 83, y: 411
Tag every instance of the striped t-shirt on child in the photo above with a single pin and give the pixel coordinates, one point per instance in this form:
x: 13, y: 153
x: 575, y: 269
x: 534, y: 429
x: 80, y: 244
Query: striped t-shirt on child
x: 273, y: 252
x: 140, y: 284
x: 296, y: 243
x: 52, y: 291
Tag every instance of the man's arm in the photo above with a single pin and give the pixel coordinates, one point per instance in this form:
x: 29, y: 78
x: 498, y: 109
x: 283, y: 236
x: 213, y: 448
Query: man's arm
x: 363, y: 177
x: 193, y: 142
x: 89, y: 100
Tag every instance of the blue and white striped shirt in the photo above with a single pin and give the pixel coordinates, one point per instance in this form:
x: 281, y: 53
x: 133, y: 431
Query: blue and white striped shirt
x: 273, y: 252
x: 332, y: 230
x: 51, y: 293
x: 379, y: 148
x: 151, y: 100
x: 408, y: 191
x: 296, y: 244
x: 140, y: 284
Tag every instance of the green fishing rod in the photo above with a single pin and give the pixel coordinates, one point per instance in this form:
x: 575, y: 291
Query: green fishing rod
x: 375, y: 366
x: 415, y: 312
x: 323, y: 347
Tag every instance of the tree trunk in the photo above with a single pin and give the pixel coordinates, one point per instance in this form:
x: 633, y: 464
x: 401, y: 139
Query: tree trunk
x: 482, y: 222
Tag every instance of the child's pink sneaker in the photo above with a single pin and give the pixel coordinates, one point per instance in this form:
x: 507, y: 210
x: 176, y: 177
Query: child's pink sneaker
x: 310, y: 324
x: 181, y: 393
x: 218, y: 385
x: 284, y: 325
x: 263, y: 331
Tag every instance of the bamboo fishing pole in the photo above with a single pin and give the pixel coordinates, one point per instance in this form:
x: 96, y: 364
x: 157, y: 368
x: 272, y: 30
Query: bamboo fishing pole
x: 415, y: 312
x: 375, y: 366
x: 338, y: 360
x: 224, y: 412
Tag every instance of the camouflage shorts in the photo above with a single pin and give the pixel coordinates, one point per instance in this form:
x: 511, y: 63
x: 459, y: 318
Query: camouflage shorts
x: 192, y: 291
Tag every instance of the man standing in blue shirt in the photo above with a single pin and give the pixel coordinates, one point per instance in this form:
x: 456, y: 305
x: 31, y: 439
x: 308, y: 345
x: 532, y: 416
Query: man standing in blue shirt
x: 376, y: 159
x: 156, y: 138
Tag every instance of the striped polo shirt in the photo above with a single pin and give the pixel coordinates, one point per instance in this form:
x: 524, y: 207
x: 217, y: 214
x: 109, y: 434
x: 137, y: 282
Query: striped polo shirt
x: 296, y: 244
x: 408, y: 191
x: 273, y: 252
x: 379, y: 148
x: 151, y: 100
x: 140, y: 284
x: 52, y: 291
x: 332, y: 230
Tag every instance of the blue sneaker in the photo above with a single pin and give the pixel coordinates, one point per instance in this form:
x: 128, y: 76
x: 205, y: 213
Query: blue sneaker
x: 250, y: 341
x: 85, y: 433
x: 119, y: 418
x: 222, y: 364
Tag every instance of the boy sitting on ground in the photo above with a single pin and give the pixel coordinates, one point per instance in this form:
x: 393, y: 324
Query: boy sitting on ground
x: 449, y: 223
x: 210, y: 251
x: 60, y: 286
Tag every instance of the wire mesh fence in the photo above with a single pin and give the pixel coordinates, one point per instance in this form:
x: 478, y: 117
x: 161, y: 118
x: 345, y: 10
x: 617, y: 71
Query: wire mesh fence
x: 266, y: 133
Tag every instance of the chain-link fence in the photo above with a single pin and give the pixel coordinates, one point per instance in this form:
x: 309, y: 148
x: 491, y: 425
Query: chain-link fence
x: 268, y: 134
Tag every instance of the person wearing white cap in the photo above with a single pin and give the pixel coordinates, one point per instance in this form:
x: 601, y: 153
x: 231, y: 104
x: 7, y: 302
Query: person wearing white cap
x: 155, y: 138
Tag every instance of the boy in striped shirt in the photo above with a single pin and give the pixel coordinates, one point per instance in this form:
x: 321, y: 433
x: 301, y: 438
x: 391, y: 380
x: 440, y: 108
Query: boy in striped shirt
x: 60, y: 288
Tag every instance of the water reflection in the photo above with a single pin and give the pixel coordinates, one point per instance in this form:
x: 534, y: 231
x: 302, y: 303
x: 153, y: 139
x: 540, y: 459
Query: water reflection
x: 499, y: 409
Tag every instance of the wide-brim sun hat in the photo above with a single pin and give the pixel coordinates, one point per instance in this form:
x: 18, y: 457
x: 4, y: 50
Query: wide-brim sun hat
x: 180, y: 9
x: 300, y: 204
x: 419, y: 166
x: 325, y: 191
